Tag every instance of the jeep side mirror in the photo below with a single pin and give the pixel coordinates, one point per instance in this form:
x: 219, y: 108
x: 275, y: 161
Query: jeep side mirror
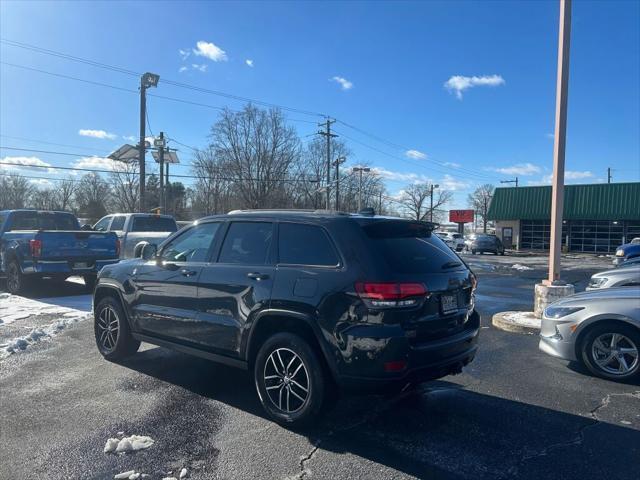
x: 149, y: 251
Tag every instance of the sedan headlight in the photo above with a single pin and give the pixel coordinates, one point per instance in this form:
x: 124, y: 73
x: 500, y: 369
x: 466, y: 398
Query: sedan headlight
x: 620, y: 253
x: 597, y: 282
x: 559, y: 312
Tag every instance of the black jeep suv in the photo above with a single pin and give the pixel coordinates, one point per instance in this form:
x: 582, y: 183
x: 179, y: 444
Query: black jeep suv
x: 307, y: 301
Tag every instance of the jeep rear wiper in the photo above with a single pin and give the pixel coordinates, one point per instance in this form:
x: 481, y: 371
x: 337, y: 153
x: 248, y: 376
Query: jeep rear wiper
x: 450, y: 265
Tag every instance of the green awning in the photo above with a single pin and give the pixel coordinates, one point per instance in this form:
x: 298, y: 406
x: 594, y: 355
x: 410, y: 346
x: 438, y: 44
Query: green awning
x: 602, y: 201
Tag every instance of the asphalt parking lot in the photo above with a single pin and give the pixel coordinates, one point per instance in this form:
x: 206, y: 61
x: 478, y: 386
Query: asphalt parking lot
x: 514, y: 412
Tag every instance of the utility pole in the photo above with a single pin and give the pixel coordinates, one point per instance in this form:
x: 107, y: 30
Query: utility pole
x: 337, y: 163
x: 160, y: 146
x: 562, y: 92
x: 484, y: 213
x: 146, y: 81
x: 328, y: 135
x: 511, y: 181
x: 360, y: 170
x: 167, y: 200
x: 431, y: 197
x: 609, y: 175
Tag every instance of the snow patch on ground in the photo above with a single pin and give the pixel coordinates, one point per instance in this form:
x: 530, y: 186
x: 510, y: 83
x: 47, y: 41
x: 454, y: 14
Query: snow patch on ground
x: 519, y: 266
x: 131, y: 475
x: 128, y: 444
x: 15, y: 307
x: 527, y: 319
x: 70, y: 310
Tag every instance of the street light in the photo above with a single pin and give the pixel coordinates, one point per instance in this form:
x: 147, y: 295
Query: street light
x: 360, y: 170
x: 147, y: 80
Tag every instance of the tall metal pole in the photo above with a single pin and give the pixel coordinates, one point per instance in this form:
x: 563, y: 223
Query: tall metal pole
x: 141, y: 145
x: 168, y: 187
x: 328, y: 135
x: 562, y: 92
x: 609, y: 175
x: 431, y: 207
x: 360, y: 192
x: 161, y: 160
x: 337, y: 163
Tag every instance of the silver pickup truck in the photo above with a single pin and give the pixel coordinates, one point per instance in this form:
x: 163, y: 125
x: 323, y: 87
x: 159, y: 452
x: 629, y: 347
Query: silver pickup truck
x: 133, y: 228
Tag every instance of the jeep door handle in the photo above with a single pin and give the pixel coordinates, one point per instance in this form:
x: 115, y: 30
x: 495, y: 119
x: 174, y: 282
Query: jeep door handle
x: 188, y: 273
x: 257, y: 276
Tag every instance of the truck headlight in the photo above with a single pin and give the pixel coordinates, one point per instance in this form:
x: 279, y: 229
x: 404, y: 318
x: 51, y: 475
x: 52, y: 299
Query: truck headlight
x: 597, y: 282
x: 559, y: 312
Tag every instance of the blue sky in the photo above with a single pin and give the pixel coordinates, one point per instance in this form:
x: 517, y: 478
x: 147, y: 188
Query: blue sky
x: 392, y: 62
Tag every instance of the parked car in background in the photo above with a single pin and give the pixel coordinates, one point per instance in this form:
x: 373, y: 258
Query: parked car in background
x: 618, y: 277
x: 136, y: 229
x: 627, y: 251
x: 304, y: 300
x: 487, y: 243
x: 454, y: 240
x: 629, y: 263
x: 600, y: 329
x: 37, y: 244
x: 468, y: 241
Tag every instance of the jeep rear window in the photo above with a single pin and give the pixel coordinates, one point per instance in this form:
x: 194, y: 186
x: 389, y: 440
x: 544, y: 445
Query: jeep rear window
x: 410, y: 247
x: 153, y: 224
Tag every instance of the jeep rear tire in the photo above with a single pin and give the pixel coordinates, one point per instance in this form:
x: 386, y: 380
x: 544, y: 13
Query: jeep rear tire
x: 290, y: 380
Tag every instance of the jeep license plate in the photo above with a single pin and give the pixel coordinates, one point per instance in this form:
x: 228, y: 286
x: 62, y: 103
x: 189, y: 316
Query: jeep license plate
x: 449, y: 303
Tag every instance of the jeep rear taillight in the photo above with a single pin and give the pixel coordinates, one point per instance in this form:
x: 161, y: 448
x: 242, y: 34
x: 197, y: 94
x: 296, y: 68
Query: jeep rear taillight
x: 35, y: 247
x: 390, y: 294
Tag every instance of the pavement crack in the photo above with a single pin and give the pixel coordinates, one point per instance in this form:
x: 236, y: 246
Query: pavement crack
x: 306, y: 458
x: 580, y: 434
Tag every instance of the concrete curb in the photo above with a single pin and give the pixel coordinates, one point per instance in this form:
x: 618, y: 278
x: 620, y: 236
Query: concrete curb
x: 517, y: 322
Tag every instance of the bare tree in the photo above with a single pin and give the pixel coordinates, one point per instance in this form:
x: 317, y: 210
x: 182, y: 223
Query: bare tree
x: 257, y: 149
x: 212, y: 190
x: 44, y: 199
x: 65, y: 190
x: 125, y: 181
x: 92, y: 196
x: 480, y: 200
x: 15, y: 192
x: 416, y: 200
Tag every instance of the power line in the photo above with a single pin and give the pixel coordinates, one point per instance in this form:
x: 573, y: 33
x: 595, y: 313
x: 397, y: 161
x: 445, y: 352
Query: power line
x: 167, y: 81
x: 33, y: 140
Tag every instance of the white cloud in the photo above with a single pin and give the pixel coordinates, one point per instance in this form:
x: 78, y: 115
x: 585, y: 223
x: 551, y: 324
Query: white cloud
x: 130, y: 138
x: 249, y: 62
x: 574, y: 175
x: 84, y: 132
x: 183, y: 69
x: 568, y: 176
x: 184, y: 54
x: 210, y: 50
x: 97, y: 163
x: 450, y: 183
x: 519, y: 169
x: 344, y: 83
x: 460, y: 83
x: 41, y: 182
x: 26, y: 163
x: 417, y: 154
x: 452, y: 164
x: 399, y: 176
x: 202, y: 67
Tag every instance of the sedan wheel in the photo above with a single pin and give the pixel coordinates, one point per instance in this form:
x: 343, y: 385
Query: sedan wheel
x: 612, y: 351
x: 111, y: 328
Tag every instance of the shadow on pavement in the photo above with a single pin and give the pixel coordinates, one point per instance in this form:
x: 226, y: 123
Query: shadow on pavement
x: 441, y: 430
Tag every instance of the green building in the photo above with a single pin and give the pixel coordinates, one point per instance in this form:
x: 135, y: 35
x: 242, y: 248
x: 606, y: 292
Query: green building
x: 596, y: 219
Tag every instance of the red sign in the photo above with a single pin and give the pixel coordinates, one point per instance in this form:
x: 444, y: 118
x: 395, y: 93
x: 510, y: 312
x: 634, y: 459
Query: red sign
x: 461, y: 216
